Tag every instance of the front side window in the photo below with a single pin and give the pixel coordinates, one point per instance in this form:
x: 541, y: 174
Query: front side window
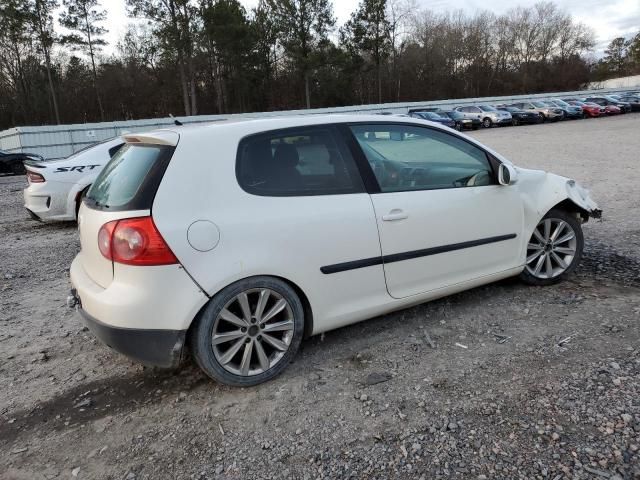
x: 405, y: 158
x: 301, y: 162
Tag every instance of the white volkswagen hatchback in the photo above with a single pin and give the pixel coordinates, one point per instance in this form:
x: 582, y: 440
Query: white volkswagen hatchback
x: 240, y: 238
x: 56, y: 187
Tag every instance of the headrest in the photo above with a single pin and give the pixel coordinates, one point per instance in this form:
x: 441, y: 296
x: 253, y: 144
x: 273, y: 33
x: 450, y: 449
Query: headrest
x: 286, y: 155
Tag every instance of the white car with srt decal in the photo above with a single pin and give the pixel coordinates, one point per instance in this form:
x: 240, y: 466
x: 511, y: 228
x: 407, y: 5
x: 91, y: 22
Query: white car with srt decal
x: 56, y: 187
x: 241, y: 238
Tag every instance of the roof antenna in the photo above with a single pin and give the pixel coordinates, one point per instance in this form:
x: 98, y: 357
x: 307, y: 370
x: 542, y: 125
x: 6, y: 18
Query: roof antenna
x: 176, y: 121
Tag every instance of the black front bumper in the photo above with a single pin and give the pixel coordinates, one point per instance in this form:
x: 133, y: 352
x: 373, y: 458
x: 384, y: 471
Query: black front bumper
x: 158, y: 348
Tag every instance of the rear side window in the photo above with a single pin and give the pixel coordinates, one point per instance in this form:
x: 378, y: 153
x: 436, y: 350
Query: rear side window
x: 131, y: 178
x: 300, y: 162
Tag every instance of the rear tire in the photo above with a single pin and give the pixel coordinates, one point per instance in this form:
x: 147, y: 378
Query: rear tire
x: 239, y: 341
x: 554, y: 249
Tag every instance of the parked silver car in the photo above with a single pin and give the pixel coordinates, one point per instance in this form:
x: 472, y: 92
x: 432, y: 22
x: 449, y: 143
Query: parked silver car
x: 487, y: 114
x: 546, y: 112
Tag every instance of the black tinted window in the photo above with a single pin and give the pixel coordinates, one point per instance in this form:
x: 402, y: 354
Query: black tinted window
x: 301, y: 162
x: 406, y: 158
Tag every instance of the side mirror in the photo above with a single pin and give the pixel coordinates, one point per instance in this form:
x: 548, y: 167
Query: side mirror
x: 507, y: 175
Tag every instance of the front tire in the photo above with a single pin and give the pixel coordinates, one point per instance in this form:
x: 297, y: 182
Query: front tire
x: 486, y: 122
x: 249, y: 332
x: 554, y: 249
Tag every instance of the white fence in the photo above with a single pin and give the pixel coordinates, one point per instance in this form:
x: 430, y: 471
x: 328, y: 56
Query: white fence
x: 59, y: 141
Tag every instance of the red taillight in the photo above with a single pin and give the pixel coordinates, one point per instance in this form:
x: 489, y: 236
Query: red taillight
x: 134, y: 241
x: 33, y: 177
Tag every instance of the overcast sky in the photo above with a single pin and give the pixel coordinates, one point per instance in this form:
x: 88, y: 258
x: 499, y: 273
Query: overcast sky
x: 608, y: 18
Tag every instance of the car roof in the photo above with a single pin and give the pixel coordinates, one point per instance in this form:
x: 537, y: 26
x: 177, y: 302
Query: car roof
x: 248, y: 126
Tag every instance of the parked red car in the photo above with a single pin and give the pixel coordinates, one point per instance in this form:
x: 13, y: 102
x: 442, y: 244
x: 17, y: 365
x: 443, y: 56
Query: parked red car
x: 592, y: 110
x: 611, y: 109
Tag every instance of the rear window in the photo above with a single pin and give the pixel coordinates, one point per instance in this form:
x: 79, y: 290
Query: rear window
x: 130, y: 180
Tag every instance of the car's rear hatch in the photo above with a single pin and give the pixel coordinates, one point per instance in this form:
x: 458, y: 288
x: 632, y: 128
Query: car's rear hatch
x: 125, y: 188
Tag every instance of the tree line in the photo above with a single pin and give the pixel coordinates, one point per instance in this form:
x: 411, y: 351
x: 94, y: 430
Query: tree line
x: 189, y: 57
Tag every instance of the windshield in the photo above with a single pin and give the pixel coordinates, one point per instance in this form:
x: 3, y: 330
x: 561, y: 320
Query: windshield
x: 539, y: 104
x: 561, y: 102
x: 487, y: 108
x: 132, y: 174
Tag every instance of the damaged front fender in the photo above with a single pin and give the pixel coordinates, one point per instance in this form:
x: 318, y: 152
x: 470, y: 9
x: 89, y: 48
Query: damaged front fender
x: 580, y: 196
x: 541, y: 191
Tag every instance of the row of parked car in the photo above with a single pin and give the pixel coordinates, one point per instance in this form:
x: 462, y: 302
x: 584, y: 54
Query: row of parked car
x: 530, y: 112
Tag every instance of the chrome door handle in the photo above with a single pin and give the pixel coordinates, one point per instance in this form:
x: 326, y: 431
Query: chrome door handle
x: 395, y: 214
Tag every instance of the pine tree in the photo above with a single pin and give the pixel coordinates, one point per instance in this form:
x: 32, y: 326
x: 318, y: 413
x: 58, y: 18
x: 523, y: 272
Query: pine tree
x: 82, y: 17
x: 303, y: 27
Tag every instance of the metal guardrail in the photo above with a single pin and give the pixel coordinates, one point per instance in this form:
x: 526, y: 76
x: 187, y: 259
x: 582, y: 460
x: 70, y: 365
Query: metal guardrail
x: 59, y: 141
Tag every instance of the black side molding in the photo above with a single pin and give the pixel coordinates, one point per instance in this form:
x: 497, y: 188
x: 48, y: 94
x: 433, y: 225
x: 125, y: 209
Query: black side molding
x: 399, y: 257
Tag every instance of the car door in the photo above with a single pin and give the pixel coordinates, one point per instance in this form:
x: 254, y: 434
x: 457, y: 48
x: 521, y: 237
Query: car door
x: 442, y: 218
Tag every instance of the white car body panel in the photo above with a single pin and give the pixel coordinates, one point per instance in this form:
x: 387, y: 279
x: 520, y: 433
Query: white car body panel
x: 56, y: 198
x: 162, y: 297
x: 293, y: 237
x: 446, y: 217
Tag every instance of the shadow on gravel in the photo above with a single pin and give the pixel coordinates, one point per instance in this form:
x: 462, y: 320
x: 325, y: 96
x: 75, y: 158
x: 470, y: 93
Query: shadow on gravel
x: 602, y: 262
x: 95, y: 400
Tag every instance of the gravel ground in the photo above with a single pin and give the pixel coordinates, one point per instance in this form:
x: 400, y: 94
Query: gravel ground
x: 500, y: 382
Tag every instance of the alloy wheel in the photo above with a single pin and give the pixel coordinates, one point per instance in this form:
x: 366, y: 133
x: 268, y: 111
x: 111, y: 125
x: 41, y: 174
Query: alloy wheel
x: 253, y: 332
x: 551, y: 249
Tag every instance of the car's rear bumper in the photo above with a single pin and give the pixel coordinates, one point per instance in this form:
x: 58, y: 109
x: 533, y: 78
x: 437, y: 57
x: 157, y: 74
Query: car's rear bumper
x: 48, y: 201
x: 159, y: 348
x: 144, y: 312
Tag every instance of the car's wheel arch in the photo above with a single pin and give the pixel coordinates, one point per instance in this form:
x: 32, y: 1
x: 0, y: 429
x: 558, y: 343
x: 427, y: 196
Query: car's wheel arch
x: 572, y: 207
x: 306, y: 304
x: 74, y: 198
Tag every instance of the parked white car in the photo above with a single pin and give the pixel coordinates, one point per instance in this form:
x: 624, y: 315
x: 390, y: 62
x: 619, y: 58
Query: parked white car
x: 56, y: 187
x: 242, y: 237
